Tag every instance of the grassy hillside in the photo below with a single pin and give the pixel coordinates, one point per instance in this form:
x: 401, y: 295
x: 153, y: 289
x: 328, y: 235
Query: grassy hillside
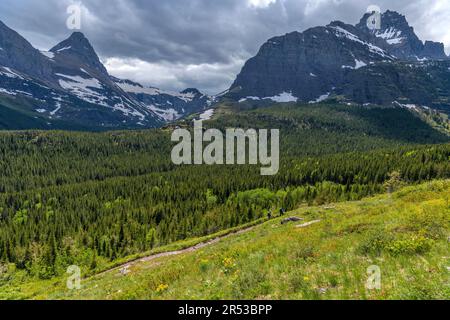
x: 330, y: 128
x: 405, y: 234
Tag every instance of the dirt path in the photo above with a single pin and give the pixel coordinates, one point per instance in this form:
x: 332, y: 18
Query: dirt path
x: 123, y: 269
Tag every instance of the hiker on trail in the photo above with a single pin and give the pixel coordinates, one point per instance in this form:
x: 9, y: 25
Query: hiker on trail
x: 282, y: 212
x: 269, y: 214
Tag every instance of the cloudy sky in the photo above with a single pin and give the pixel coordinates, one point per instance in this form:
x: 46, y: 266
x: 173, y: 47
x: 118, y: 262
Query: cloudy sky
x: 174, y: 44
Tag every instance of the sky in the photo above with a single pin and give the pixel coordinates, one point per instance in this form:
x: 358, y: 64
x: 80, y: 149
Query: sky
x: 176, y: 44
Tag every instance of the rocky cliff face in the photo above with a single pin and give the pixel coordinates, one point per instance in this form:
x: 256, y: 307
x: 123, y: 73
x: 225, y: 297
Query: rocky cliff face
x: 398, y: 38
x: 433, y: 50
x: 19, y: 54
x: 307, y: 65
x: 353, y: 63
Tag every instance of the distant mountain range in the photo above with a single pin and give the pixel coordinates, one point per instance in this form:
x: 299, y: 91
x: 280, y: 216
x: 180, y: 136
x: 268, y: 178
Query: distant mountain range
x: 351, y: 64
x: 68, y: 86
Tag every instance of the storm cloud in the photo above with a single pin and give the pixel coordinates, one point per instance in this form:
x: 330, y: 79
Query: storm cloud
x: 174, y: 44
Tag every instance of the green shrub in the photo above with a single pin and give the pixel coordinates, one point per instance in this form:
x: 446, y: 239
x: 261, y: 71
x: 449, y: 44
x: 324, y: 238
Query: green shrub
x: 375, y: 242
x: 305, y: 252
x: 412, y: 245
x: 383, y: 241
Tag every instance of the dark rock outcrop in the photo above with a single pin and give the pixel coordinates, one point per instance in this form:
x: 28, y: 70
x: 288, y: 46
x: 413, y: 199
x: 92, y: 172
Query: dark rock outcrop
x: 291, y: 219
x: 433, y: 50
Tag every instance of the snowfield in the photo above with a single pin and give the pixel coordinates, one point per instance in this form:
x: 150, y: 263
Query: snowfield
x: 321, y: 98
x: 207, y: 115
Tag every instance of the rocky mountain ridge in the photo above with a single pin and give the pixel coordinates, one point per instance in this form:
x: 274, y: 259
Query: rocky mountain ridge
x: 69, y: 83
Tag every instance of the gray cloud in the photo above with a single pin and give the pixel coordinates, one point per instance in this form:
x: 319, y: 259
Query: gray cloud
x: 175, y: 44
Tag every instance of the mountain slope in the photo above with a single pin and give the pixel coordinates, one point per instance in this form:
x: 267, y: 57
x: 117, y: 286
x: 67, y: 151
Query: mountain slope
x: 324, y: 256
x: 353, y: 63
x: 306, y: 65
x: 17, y: 53
x: 168, y: 105
x: 70, y: 84
x: 334, y: 127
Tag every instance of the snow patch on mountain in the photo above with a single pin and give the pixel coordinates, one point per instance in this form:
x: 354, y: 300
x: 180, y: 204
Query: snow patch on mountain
x: 358, y: 64
x: 79, y: 82
x: 48, y: 54
x: 23, y: 93
x: 137, y: 89
x: 82, y: 88
x: 249, y: 98
x: 321, y: 98
x: 58, y: 107
x: 10, y: 74
x: 128, y: 110
x: 167, y: 114
x: 4, y: 91
x: 391, y: 35
x: 284, y: 97
x: 63, y: 49
x: 186, y: 97
x: 207, y: 115
x: 342, y: 33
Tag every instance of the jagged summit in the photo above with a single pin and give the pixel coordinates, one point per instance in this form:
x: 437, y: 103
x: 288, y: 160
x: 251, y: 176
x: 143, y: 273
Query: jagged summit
x: 78, y: 47
x: 400, y: 38
x: 77, y: 35
x: 76, y: 40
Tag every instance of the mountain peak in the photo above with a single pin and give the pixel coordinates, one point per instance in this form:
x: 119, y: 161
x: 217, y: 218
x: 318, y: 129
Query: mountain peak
x: 388, y: 19
x: 77, y: 35
x: 395, y: 34
x: 77, y: 47
x: 76, y: 42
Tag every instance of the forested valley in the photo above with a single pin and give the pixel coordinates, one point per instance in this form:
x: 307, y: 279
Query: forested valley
x: 87, y: 199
